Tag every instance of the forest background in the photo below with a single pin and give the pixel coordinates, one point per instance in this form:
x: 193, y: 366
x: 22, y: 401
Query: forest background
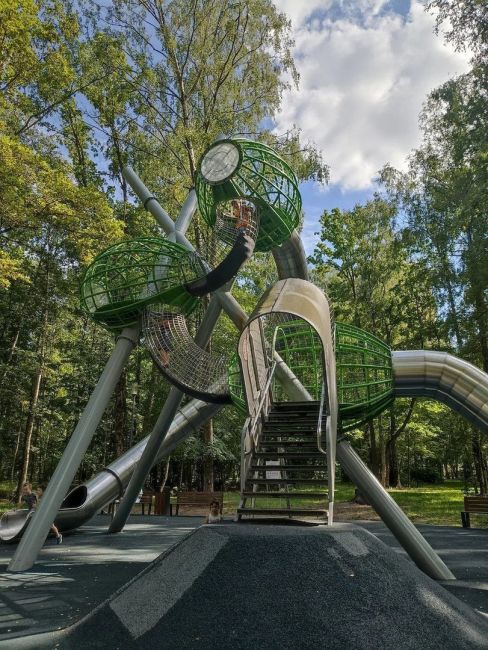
x: 86, y: 88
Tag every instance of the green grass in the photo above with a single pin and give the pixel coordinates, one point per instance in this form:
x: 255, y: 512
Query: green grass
x: 439, y: 505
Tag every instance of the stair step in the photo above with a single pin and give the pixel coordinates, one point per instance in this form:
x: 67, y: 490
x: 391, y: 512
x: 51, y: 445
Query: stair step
x: 306, y: 444
x: 285, y: 495
x: 279, y: 416
x: 287, y: 481
x: 292, y: 428
x: 288, y: 468
x: 287, y: 454
x: 289, y: 436
x: 308, y: 512
x: 286, y: 405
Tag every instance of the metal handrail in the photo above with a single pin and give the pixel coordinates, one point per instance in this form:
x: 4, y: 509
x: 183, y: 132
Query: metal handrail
x: 249, y: 428
x: 319, y: 423
x: 254, y: 419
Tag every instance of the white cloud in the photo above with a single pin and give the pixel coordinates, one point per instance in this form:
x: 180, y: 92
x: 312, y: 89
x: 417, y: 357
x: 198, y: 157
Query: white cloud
x: 364, y: 77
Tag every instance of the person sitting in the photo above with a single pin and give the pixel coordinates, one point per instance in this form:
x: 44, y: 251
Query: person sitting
x: 214, y: 516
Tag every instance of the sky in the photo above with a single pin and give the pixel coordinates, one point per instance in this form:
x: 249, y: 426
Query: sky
x: 366, y: 67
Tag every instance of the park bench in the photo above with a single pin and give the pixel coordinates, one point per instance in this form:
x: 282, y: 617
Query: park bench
x: 200, y: 499
x: 473, y: 505
x: 145, y: 500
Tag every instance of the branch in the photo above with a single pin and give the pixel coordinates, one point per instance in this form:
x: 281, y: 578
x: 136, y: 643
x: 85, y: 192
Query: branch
x: 403, y: 426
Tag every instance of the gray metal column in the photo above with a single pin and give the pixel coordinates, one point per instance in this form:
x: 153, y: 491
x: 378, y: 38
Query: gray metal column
x: 146, y: 461
x: 400, y: 525
x: 33, y: 539
x: 161, y: 428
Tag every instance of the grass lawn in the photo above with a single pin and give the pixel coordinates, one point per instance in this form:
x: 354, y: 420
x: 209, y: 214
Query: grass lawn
x: 434, y: 504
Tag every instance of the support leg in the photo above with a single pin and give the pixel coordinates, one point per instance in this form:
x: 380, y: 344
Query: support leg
x: 35, y: 535
x: 397, y: 521
x: 146, y: 461
x: 161, y: 428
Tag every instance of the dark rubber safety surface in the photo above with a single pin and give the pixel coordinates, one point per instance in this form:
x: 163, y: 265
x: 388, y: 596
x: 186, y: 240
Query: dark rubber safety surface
x: 250, y: 587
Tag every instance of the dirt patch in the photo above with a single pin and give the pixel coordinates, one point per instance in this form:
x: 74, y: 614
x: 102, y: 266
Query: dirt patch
x: 346, y: 511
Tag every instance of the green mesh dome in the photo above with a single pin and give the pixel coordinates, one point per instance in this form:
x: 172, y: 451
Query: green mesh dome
x: 243, y: 169
x: 236, y: 385
x: 364, y: 375
x: 131, y: 274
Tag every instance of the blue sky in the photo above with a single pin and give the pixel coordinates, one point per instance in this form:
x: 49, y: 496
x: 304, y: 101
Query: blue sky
x: 366, y: 67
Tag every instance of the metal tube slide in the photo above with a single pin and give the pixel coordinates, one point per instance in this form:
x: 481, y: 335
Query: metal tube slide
x: 85, y: 500
x: 445, y: 378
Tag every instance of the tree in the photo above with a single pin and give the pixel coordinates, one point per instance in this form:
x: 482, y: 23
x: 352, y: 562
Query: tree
x: 464, y: 23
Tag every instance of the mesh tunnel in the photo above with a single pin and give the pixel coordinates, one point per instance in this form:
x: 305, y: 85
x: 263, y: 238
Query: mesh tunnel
x: 184, y: 363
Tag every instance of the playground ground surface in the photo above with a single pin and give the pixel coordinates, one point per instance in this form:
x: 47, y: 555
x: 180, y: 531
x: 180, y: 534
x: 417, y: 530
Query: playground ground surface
x: 71, y: 580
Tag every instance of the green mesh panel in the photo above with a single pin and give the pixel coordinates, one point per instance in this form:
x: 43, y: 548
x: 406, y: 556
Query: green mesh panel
x: 300, y: 347
x: 236, y: 385
x: 264, y: 179
x: 131, y: 274
x: 364, y: 375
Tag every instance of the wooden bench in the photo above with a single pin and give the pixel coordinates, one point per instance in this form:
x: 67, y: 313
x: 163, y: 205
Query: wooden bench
x: 200, y: 499
x: 473, y: 505
x: 146, y: 500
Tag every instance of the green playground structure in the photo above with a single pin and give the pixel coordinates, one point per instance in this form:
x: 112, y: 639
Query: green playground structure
x: 302, y: 380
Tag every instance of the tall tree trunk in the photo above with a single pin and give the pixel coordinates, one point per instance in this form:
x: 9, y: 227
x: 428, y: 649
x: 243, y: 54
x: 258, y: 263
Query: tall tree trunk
x: 208, y: 474
x: 394, y: 469
x: 10, y: 354
x: 374, y: 451
x: 480, y: 465
x: 29, y: 427
x: 120, y: 415
x: 16, y: 452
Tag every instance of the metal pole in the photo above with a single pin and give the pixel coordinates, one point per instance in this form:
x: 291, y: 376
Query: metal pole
x: 175, y: 396
x: 186, y: 213
x: 146, y: 461
x: 400, y: 525
x: 32, y: 541
x: 161, y: 428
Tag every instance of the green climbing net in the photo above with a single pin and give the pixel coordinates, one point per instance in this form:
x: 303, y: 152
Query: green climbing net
x: 131, y: 274
x: 242, y: 169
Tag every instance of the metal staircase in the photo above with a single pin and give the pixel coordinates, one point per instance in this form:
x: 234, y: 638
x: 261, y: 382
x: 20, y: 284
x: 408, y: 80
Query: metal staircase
x: 286, y: 467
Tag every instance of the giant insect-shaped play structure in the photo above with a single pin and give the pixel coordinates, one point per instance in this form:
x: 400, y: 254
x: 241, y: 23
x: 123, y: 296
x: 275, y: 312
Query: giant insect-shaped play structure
x: 302, y: 380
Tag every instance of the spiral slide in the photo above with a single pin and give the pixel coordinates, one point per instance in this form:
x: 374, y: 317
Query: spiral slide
x: 250, y: 197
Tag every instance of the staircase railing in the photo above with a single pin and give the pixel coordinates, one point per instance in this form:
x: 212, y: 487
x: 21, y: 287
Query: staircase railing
x: 319, y: 422
x: 251, y: 430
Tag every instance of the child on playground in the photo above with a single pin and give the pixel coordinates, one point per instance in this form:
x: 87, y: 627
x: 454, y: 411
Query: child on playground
x: 214, y: 516
x: 31, y: 499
